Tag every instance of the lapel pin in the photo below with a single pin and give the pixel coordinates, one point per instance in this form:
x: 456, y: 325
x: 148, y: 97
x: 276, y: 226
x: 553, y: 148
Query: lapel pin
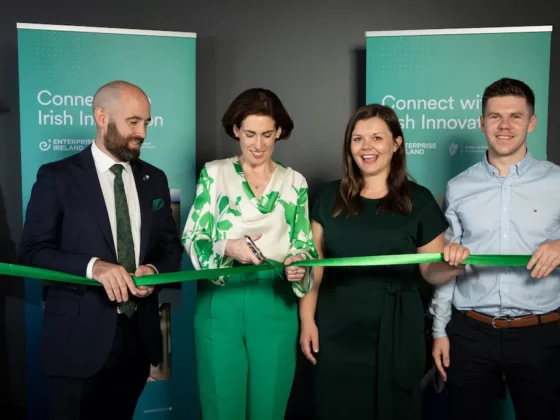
x: 146, y: 177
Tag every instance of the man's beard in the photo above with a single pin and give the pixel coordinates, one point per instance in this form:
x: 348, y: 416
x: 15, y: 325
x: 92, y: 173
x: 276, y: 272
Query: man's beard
x: 117, y: 144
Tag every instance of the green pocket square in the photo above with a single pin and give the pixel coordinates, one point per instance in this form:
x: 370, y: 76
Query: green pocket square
x: 157, y: 204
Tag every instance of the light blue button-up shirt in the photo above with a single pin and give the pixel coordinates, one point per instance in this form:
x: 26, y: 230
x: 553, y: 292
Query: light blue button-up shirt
x: 491, y: 214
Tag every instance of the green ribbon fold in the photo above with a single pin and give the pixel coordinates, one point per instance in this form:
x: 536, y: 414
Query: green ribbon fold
x: 166, y: 278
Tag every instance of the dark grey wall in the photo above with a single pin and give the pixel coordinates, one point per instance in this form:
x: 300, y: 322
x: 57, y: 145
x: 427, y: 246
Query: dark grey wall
x: 310, y: 52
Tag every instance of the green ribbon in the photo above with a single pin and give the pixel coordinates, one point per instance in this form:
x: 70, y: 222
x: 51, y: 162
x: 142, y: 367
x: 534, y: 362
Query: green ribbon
x: 495, y: 260
x: 165, y: 278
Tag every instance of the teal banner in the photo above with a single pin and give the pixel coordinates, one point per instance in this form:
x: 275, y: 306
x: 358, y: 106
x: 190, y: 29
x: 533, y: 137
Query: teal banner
x: 435, y: 79
x: 60, y: 69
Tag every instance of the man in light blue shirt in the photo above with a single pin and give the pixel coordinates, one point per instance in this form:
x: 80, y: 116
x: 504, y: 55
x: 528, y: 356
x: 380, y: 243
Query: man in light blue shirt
x: 496, y: 321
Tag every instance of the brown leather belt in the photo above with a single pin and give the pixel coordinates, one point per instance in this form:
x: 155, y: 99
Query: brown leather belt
x: 514, y: 322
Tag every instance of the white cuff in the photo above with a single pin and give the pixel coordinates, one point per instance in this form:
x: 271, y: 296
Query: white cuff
x: 155, y: 269
x: 439, y: 327
x: 89, y: 270
x: 219, y: 247
x: 438, y: 334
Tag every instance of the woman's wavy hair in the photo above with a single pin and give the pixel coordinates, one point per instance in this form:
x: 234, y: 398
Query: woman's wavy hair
x: 398, y: 199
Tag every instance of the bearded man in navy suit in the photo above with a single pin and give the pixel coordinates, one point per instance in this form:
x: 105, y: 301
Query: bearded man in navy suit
x: 103, y: 214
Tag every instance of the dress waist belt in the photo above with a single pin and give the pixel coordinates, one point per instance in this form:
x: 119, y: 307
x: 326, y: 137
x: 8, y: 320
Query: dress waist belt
x: 401, y: 346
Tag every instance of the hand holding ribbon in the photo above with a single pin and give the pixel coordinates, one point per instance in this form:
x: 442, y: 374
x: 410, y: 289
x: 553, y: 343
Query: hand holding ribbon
x: 545, y: 259
x: 454, y: 253
x: 293, y: 272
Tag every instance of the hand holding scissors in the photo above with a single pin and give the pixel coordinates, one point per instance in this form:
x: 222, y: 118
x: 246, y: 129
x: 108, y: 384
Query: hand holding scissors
x: 260, y: 255
x: 243, y: 251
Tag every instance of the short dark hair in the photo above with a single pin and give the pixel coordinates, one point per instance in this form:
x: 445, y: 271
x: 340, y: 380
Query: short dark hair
x: 257, y: 101
x: 508, y: 87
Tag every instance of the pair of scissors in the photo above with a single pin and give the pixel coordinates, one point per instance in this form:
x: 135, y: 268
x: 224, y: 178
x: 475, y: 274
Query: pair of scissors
x: 258, y: 253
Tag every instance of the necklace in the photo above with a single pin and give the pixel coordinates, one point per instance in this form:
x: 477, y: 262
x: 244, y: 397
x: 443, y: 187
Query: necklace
x: 251, y: 183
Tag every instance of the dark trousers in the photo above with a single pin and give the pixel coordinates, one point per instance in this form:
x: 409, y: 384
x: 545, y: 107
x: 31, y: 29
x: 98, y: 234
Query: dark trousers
x: 113, y: 392
x: 481, y: 355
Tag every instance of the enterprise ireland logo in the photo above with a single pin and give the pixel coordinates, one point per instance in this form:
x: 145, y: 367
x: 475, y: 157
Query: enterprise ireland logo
x: 64, y: 145
x: 453, y: 147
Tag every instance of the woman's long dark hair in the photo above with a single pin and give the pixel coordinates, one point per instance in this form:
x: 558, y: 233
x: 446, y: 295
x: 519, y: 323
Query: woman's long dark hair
x: 398, y: 199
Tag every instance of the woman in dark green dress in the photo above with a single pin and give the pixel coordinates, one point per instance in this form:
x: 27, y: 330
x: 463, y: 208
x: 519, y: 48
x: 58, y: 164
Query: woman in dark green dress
x: 362, y: 327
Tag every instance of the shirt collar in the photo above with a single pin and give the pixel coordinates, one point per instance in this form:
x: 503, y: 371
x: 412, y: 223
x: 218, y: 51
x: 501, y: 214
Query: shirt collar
x: 520, y: 168
x: 104, y: 162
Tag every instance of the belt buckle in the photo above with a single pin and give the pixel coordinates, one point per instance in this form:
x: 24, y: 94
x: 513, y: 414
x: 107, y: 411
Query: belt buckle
x: 505, y: 318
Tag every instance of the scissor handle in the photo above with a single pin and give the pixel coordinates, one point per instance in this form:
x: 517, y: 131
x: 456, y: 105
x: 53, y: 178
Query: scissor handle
x: 254, y: 248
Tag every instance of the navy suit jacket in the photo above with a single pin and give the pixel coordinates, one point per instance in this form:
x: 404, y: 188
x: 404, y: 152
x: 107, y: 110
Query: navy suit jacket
x: 65, y: 226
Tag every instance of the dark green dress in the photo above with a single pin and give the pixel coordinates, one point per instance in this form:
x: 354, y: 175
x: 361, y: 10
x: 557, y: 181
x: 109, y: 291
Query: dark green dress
x: 371, y: 345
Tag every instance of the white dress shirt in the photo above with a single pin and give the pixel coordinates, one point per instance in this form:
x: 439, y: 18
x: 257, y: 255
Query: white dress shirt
x: 103, y: 163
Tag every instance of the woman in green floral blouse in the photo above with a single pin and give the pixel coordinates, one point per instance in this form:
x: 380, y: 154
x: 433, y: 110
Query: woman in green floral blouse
x: 246, y: 326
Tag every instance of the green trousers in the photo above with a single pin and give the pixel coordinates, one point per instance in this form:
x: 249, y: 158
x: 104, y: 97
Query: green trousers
x: 245, y: 347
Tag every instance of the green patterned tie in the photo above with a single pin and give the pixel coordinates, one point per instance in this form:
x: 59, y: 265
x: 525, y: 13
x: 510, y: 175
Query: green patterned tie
x: 125, y: 243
